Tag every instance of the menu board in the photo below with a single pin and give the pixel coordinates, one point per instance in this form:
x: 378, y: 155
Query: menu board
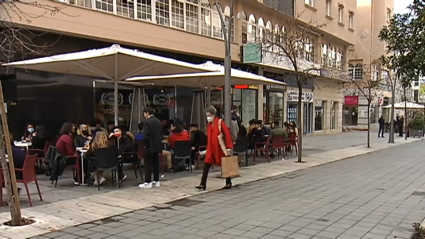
x: 292, y: 113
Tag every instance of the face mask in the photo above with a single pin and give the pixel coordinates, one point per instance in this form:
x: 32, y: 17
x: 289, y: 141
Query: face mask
x: 31, y: 130
x: 210, y: 119
x: 117, y: 135
x: 85, y: 132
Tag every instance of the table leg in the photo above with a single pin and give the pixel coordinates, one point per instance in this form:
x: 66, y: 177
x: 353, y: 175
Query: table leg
x: 82, y: 169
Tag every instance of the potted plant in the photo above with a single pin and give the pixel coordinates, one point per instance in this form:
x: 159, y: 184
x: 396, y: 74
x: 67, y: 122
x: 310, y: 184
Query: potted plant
x: 417, y: 125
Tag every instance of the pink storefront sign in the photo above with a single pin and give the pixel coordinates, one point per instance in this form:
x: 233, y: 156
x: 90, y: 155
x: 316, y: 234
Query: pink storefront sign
x: 351, y: 100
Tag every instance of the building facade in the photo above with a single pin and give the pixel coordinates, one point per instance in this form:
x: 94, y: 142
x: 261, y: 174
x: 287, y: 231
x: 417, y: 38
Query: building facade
x: 365, y: 66
x: 190, y: 30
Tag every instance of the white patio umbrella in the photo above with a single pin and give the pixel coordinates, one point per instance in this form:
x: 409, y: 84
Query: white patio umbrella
x: 212, y: 78
x: 113, y: 63
x: 409, y: 105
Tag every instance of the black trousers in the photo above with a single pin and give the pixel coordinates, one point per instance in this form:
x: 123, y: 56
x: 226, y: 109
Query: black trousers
x: 381, y: 131
x: 152, y: 166
x: 207, y: 167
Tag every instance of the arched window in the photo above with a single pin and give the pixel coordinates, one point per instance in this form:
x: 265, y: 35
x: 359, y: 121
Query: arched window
x: 244, y: 19
x: 205, y: 20
x: 216, y: 24
x: 260, y: 28
x: 252, y: 29
x: 269, y: 32
x: 226, y: 19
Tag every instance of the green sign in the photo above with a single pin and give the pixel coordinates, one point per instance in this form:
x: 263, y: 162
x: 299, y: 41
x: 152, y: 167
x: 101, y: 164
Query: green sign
x: 252, y: 53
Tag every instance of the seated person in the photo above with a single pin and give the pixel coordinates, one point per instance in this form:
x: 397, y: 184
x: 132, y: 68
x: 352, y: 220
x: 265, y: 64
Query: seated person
x: 18, y: 159
x: 100, y: 142
x: 267, y: 128
x: 277, y: 131
x: 124, y: 144
x: 28, y: 133
x: 242, y: 131
x: 257, y: 134
x: 97, y: 128
x: 84, y: 136
x: 177, y: 134
x: 197, y: 138
x: 139, y: 136
x: 39, y: 138
x: 65, y: 144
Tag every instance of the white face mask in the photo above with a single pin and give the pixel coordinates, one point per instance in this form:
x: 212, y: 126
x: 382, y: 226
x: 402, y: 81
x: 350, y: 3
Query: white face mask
x: 210, y: 119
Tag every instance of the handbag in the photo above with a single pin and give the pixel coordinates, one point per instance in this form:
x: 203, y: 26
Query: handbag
x: 221, y: 139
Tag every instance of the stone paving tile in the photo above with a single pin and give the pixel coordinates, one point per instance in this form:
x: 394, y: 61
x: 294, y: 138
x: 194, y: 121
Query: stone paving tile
x: 352, y: 198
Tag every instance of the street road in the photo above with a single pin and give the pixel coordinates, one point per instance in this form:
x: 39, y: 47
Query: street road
x: 379, y: 195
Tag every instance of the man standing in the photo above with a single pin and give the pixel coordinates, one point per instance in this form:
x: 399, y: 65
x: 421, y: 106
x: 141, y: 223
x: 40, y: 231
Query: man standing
x: 152, y: 131
x: 381, y: 131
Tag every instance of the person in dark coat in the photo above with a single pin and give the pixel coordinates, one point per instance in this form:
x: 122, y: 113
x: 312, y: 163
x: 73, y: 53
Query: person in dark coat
x: 381, y: 131
x: 400, y: 126
x: 152, y: 130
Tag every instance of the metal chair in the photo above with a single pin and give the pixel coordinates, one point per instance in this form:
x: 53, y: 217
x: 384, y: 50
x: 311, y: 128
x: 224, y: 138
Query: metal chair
x: 182, y: 151
x: 133, y: 158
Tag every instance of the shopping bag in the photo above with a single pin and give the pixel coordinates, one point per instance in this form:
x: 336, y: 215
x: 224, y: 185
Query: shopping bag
x: 230, y: 167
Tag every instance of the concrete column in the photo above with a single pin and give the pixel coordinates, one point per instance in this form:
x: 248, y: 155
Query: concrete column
x: 260, y: 97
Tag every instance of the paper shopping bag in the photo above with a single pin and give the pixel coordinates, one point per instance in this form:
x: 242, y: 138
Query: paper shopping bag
x: 230, y: 167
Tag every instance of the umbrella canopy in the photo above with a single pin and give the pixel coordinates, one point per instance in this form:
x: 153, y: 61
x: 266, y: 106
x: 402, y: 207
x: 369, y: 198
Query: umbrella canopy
x: 214, y: 78
x: 409, y: 105
x: 113, y: 63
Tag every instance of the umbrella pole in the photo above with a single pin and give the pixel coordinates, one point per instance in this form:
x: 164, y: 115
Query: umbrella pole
x: 116, y: 91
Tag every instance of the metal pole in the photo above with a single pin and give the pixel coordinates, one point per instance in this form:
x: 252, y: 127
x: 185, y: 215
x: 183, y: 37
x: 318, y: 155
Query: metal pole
x: 116, y: 91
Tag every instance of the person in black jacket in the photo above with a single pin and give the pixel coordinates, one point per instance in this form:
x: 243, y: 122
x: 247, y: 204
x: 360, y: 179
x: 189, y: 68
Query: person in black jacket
x: 197, y: 138
x: 381, y: 131
x: 152, y: 130
x: 123, y: 144
x: 83, y: 137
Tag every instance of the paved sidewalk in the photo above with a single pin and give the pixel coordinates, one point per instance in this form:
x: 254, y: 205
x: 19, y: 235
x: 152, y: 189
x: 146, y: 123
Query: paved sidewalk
x: 373, y: 196
x: 79, y: 210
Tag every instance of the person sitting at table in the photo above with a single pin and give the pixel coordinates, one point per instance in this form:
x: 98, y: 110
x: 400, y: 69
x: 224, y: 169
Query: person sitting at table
x: 178, y: 133
x: 28, y: 133
x: 125, y: 131
x: 39, y: 138
x: 257, y: 134
x: 110, y: 125
x: 65, y: 144
x: 123, y: 144
x: 277, y: 131
x: 84, y: 136
x: 97, y: 127
x: 19, y: 157
x: 100, y: 142
x: 197, y: 139
x: 139, y: 136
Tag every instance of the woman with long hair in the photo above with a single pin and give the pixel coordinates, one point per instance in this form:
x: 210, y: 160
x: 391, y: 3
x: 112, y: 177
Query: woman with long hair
x: 28, y: 132
x: 84, y: 136
x: 100, y: 141
x: 215, y: 152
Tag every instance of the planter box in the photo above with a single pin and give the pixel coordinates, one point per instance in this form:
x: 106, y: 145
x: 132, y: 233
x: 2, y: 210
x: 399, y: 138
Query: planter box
x: 416, y: 133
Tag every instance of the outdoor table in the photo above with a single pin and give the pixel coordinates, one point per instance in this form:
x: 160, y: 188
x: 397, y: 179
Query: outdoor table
x: 22, y: 144
x: 82, y: 152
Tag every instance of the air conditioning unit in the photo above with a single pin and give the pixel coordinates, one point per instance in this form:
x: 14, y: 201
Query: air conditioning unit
x: 351, y: 48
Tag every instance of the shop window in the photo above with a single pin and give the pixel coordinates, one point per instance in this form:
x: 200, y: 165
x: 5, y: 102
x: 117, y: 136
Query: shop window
x: 192, y: 21
x: 319, y: 114
x: 177, y: 14
x: 144, y: 9
x: 333, y: 114
x: 206, y: 21
x: 162, y: 12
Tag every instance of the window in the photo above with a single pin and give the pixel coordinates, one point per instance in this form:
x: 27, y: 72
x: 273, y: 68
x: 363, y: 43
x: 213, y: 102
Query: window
x: 338, y: 59
x: 177, y: 14
x: 216, y: 25
x: 328, y: 7
x: 309, y: 2
x: 192, y: 21
x: 144, y: 10
x: 309, y: 49
x: 125, y: 8
x: 162, y: 12
x: 340, y: 13
x: 375, y: 73
x: 105, y: 5
x: 350, y: 71
x: 331, y: 56
x: 252, y: 29
x: 388, y: 15
x: 205, y: 21
x: 358, y: 72
x: 232, y: 35
x: 351, y: 20
x: 324, y: 54
x: 244, y: 32
x: 384, y: 76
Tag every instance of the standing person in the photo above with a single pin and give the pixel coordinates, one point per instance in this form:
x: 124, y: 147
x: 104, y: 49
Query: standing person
x: 381, y: 131
x: 152, y: 130
x: 214, y: 151
x: 400, y: 126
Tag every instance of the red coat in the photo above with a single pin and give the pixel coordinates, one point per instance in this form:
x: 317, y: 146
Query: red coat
x: 65, y: 145
x: 182, y: 136
x: 214, y: 151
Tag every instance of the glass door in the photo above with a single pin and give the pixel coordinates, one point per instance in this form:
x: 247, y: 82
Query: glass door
x: 275, y: 107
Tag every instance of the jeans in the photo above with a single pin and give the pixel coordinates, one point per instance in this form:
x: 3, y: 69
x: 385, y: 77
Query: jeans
x: 152, y: 166
x: 207, y: 167
x: 381, y: 131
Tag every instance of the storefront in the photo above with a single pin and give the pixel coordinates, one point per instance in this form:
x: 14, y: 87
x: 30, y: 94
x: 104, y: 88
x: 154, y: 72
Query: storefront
x: 307, y: 100
x: 245, y: 98
x: 351, y: 110
x: 274, y: 103
x: 319, y: 115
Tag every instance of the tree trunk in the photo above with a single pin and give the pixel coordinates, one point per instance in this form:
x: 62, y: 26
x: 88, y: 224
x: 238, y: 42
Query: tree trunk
x: 300, y: 123
x: 9, y: 168
x: 405, y: 113
x: 391, y: 137
x: 368, y: 123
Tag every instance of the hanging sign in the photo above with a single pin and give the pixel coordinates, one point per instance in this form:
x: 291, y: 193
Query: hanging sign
x: 351, y: 100
x: 305, y: 96
x: 255, y: 87
x: 108, y: 98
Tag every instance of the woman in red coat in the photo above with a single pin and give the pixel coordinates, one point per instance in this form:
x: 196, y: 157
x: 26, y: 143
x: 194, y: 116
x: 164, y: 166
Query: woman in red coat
x: 214, y: 151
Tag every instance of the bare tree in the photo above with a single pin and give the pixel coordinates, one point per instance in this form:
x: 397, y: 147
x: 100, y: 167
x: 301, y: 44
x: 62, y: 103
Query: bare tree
x: 364, y: 80
x: 16, y: 42
x: 288, y: 43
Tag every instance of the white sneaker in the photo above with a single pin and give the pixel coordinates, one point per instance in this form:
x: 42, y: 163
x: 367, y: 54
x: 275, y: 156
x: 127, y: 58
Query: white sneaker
x: 145, y: 185
x: 156, y: 184
x: 102, y: 180
x: 123, y: 178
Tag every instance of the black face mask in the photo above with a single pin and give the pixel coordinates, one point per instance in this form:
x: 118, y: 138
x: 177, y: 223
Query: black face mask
x: 85, y: 132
